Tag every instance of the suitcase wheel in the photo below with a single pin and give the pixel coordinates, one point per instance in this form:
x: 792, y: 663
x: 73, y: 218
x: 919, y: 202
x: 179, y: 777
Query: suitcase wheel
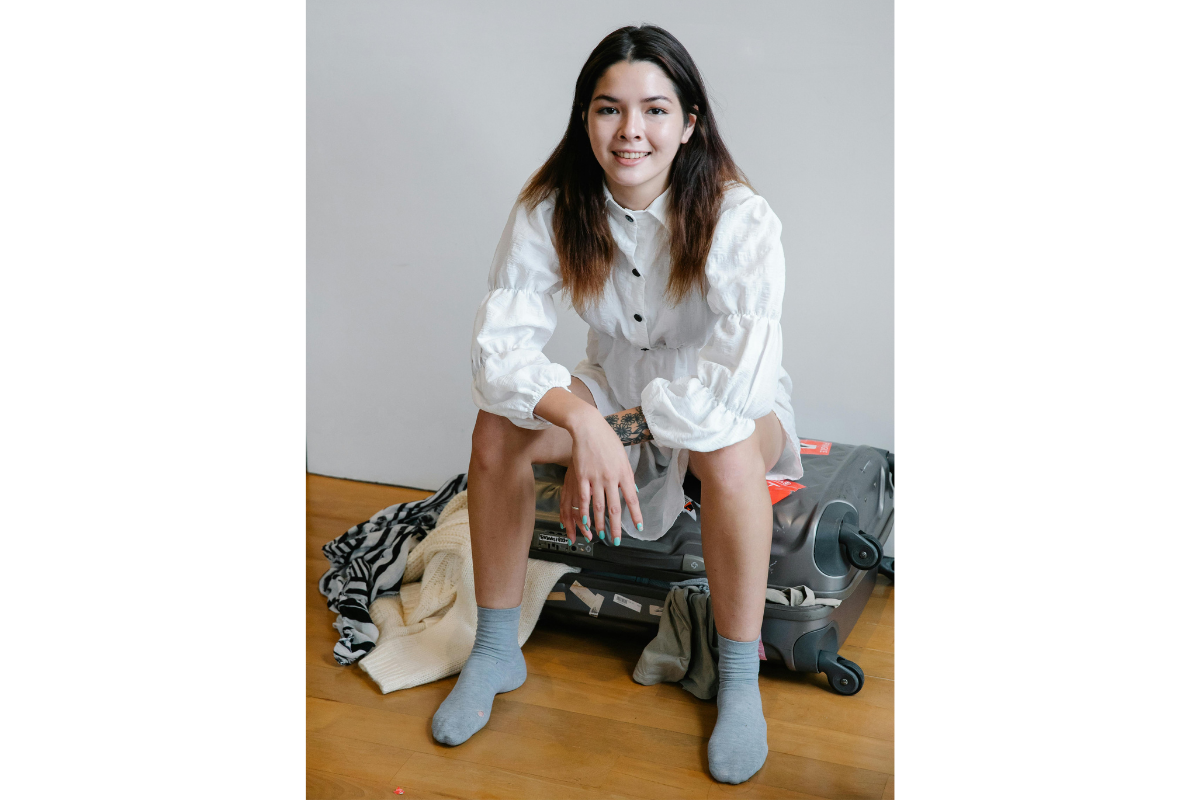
x: 887, y: 566
x: 845, y: 677
x: 862, y: 549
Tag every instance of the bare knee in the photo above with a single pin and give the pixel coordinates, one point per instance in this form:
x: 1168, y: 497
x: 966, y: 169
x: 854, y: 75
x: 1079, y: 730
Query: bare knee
x: 729, y: 466
x: 494, y: 442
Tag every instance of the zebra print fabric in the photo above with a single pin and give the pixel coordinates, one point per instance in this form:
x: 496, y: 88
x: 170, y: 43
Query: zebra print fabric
x: 367, y: 562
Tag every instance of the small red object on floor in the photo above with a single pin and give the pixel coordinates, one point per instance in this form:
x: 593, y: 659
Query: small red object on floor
x: 397, y: 790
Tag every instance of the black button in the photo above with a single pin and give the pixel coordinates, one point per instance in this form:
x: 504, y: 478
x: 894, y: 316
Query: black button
x: 644, y: 349
x: 637, y: 274
x: 629, y: 218
x: 638, y: 317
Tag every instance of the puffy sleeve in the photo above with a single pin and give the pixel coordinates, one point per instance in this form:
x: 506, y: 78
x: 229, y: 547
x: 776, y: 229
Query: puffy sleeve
x: 509, y: 373
x: 738, y: 370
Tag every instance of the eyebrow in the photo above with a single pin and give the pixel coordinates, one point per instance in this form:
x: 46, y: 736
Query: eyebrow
x: 610, y: 99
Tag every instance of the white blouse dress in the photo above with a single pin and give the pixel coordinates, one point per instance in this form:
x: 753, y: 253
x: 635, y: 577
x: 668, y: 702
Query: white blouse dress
x: 702, y: 371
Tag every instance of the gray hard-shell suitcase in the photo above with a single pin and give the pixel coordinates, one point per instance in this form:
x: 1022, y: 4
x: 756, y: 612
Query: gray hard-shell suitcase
x: 828, y: 536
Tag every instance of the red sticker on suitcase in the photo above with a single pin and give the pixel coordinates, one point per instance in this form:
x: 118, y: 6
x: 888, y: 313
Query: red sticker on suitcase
x: 781, y: 489
x: 809, y: 447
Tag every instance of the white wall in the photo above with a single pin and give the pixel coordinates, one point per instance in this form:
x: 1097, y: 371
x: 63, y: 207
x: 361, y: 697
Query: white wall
x: 424, y: 120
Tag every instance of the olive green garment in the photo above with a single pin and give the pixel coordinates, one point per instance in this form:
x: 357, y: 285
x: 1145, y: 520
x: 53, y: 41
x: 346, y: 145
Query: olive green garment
x: 685, y: 649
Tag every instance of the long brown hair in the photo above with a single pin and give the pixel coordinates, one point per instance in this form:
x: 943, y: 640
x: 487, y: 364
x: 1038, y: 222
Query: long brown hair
x: 699, y: 173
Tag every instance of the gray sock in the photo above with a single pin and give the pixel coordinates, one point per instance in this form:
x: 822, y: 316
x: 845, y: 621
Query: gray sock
x: 738, y: 746
x: 495, y: 665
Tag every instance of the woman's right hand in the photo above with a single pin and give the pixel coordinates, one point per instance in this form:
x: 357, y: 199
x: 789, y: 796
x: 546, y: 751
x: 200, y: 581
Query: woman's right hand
x: 597, y: 478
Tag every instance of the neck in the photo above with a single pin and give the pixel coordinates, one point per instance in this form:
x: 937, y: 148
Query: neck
x: 638, y: 198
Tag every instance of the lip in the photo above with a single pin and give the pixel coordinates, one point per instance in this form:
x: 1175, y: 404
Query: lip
x: 629, y: 162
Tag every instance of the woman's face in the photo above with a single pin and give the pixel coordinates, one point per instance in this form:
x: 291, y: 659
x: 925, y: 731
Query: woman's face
x: 636, y: 125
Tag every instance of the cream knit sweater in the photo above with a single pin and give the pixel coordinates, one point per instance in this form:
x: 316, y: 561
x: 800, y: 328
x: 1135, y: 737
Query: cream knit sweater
x: 426, y: 632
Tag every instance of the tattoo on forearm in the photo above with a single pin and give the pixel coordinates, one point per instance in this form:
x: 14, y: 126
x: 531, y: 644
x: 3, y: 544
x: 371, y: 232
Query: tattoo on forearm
x: 630, y: 426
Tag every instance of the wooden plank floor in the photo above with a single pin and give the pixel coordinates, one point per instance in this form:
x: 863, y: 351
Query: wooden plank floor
x: 580, y: 727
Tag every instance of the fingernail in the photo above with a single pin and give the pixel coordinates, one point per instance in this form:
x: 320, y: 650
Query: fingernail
x: 601, y: 534
x: 636, y: 490
x: 561, y: 526
x: 617, y: 541
x: 585, y: 522
x: 639, y: 526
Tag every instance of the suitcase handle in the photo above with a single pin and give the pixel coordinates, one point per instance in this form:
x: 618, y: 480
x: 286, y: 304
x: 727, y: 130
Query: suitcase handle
x: 670, y: 561
x: 882, y: 489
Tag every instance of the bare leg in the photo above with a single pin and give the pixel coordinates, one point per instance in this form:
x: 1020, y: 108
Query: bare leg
x: 736, y: 524
x: 736, y: 536
x: 500, y: 507
x: 500, y: 502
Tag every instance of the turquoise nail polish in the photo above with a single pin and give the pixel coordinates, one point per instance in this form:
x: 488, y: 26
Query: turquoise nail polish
x: 617, y: 541
x: 636, y: 490
x: 601, y: 534
x: 639, y: 526
x: 585, y: 522
x: 561, y: 526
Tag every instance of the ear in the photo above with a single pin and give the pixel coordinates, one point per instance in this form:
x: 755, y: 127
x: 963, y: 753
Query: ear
x: 691, y: 126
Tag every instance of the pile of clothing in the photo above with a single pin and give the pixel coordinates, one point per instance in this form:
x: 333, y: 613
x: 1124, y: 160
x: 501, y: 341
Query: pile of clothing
x: 685, y: 649
x: 403, y: 587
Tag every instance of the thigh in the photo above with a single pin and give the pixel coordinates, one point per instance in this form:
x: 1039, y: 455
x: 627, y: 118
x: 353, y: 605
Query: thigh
x: 771, y: 439
x: 551, y: 445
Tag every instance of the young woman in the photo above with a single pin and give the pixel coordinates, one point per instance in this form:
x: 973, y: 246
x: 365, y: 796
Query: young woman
x: 641, y: 216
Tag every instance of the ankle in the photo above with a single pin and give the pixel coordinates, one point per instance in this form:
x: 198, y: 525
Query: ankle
x: 496, y: 633
x: 737, y: 662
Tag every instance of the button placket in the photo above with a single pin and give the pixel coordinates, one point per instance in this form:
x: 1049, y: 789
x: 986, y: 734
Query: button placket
x: 640, y: 302
x: 625, y: 242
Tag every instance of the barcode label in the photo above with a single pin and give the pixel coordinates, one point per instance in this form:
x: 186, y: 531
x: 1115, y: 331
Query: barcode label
x: 632, y: 605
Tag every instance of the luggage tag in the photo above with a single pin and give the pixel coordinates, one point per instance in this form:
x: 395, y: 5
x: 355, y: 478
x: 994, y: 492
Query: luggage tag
x: 590, y: 599
x: 781, y: 489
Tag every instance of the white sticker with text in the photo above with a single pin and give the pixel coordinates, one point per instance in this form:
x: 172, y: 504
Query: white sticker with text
x: 632, y: 605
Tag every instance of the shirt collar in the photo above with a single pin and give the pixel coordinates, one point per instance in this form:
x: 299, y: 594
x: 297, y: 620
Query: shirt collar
x: 657, y: 209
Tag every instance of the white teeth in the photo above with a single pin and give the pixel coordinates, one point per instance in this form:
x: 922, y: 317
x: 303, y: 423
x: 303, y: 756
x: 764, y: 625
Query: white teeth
x: 621, y: 154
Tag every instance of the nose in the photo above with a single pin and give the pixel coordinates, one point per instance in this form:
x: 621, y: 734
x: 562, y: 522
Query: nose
x: 631, y: 128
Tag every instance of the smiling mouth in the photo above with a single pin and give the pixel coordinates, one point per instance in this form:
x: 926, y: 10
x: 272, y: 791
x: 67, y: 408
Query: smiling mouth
x: 628, y: 154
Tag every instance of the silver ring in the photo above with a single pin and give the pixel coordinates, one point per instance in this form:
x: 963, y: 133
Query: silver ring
x: 574, y: 508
